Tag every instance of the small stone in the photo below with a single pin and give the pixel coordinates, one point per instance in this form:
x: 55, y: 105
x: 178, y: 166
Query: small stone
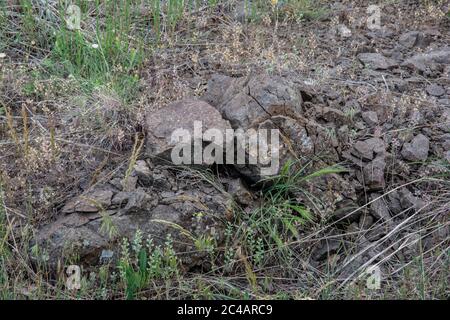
x: 408, y: 39
x: 239, y: 192
x: 106, y: 256
x: 346, y: 211
x: 446, y: 143
x: 447, y: 155
x: 365, y: 221
x: 379, y: 209
x: 428, y: 60
x: 116, y: 183
x: 377, y: 61
x: 400, y: 85
x: 370, y: 117
x: 332, y: 114
x: 382, y: 32
x: 121, y: 198
x: 374, y: 173
x: 90, y: 202
x: 344, y: 31
x: 143, y: 171
x: 394, y: 202
x: 435, y: 90
x: 137, y: 200
x: 160, y: 181
x: 325, y: 248
x: 377, y: 145
x: 412, y: 39
x: 444, y: 121
x: 352, y: 228
x: 367, y: 148
x: 417, y: 149
x: 364, y: 150
x: 409, y: 201
x: 416, y: 117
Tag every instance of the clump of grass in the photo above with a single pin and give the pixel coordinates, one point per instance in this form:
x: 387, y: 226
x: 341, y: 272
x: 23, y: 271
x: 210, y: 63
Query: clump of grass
x: 27, y: 26
x: 292, y: 178
x: 104, y: 51
x: 296, y: 10
x: 265, y: 232
x: 107, y: 56
x: 175, y: 9
x: 302, y: 9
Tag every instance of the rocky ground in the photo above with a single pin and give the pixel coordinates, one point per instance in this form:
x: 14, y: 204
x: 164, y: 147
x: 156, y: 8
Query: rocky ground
x: 365, y: 120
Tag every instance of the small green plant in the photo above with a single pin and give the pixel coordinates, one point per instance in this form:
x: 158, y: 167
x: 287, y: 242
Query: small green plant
x: 205, y: 243
x: 351, y: 113
x: 132, y: 269
x: 143, y: 263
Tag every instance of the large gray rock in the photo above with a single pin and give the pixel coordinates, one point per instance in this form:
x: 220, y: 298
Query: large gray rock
x: 260, y: 101
x: 255, y: 102
x: 161, y: 124
x: 155, y: 212
x: 246, y: 102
